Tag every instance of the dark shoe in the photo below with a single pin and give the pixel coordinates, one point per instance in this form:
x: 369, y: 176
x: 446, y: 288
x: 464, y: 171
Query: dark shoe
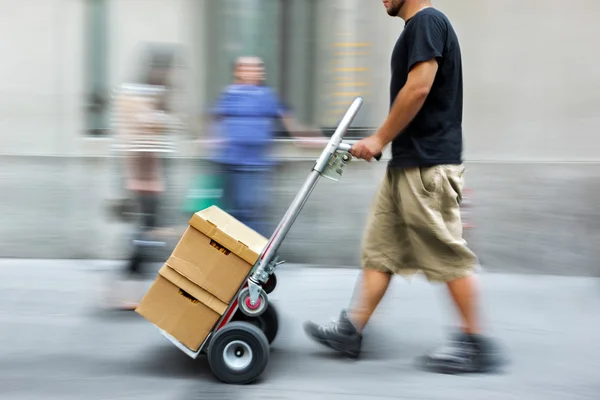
x: 339, y: 335
x: 464, y: 354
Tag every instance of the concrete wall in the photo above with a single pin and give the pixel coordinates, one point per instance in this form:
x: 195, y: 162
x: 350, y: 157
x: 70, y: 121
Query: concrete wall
x: 43, y: 94
x: 530, y: 94
x: 40, y: 92
x: 535, y: 218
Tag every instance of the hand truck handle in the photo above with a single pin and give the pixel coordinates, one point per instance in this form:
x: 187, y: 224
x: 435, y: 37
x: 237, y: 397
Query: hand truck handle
x: 348, y: 148
x: 338, y: 135
x: 347, y: 119
x: 290, y: 216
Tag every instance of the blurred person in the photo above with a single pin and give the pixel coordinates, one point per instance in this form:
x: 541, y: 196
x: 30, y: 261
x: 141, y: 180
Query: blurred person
x: 143, y: 125
x: 415, y: 224
x: 245, y: 115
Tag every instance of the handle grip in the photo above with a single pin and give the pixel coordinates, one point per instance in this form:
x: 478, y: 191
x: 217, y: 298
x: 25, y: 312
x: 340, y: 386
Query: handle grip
x: 378, y: 157
x: 348, y: 147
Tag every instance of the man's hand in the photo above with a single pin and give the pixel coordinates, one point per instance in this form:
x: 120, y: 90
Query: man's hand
x: 368, y: 148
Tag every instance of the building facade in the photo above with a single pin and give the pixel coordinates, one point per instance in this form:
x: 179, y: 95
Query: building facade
x: 530, y: 115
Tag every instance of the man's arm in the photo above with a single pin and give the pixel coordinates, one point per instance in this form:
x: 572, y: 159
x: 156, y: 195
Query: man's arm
x: 409, y: 100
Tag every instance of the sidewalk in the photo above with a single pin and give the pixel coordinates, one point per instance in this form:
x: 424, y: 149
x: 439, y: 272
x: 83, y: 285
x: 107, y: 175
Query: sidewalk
x: 56, y: 342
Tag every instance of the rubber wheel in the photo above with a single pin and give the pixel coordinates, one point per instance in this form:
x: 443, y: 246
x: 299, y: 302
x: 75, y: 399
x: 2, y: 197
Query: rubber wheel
x: 267, y: 322
x: 238, y: 353
x: 271, y: 284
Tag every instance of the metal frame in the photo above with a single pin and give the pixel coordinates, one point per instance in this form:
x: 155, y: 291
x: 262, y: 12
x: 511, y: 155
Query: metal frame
x: 329, y: 164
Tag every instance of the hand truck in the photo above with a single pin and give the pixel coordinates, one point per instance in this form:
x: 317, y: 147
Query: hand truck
x: 238, y: 346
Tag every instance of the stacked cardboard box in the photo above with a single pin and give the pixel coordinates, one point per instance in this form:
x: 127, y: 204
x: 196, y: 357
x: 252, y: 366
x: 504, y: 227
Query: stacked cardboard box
x: 195, y: 286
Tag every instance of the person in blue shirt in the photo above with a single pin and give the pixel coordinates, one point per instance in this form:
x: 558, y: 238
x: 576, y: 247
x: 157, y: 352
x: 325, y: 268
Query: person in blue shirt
x: 245, y: 118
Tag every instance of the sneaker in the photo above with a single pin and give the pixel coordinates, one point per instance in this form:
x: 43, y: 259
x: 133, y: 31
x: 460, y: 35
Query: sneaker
x: 463, y: 354
x: 339, y: 335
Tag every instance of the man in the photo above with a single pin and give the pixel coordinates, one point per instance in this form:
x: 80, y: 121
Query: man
x: 415, y: 221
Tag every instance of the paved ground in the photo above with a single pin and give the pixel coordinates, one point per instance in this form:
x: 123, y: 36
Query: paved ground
x: 56, y: 341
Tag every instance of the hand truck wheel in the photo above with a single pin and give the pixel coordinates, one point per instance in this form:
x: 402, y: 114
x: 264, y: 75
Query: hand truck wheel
x: 252, y: 310
x: 238, y: 353
x: 271, y: 284
x: 267, y: 322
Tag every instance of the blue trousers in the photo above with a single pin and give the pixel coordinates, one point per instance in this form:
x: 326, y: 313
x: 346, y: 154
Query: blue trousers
x: 247, y: 196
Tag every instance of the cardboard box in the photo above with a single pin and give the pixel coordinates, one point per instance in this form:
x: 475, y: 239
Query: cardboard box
x: 216, y: 252
x: 181, y: 308
x: 202, y: 275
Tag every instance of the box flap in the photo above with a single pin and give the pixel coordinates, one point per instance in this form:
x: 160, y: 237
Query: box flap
x: 229, y: 232
x: 192, y: 289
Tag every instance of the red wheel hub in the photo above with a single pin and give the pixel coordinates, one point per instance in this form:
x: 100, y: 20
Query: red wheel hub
x: 250, y: 305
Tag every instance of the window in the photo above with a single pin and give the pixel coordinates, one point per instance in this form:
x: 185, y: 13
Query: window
x: 297, y: 57
x: 230, y: 33
x: 97, y: 90
x: 316, y: 71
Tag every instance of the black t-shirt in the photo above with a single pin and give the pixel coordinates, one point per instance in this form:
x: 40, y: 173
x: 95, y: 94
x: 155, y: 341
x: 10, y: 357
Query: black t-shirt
x: 435, y: 135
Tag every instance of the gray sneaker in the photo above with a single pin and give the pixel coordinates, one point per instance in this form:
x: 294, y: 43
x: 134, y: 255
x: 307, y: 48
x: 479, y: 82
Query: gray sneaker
x: 339, y: 335
x: 464, y: 354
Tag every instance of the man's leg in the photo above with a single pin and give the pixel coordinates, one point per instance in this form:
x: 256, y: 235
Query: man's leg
x: 383, y: 245
x: 345, y: 334
x: 370, y: 289
x: 432, y: 197
x: 468, y: 351
x: 463, y: 293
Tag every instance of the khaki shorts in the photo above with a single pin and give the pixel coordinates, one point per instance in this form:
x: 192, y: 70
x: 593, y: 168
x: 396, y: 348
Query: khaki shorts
x: 415, y: 225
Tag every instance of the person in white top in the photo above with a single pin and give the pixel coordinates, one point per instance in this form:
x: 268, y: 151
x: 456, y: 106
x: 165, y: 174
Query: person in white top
x: 143, y: 130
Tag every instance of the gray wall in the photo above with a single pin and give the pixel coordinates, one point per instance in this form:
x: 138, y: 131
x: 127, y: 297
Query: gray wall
x: 533, y: 218
x: 530, y: 93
